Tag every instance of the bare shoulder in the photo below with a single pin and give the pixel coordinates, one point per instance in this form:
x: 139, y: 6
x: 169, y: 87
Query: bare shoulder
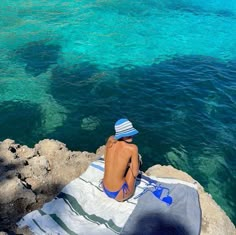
x: 133, y: 147
x: 111, y: 138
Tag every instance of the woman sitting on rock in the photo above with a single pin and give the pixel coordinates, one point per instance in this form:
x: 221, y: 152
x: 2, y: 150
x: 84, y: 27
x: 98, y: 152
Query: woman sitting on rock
x: 121, y: 162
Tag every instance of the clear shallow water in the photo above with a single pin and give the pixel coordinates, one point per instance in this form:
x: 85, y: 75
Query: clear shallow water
x: 68, y: 70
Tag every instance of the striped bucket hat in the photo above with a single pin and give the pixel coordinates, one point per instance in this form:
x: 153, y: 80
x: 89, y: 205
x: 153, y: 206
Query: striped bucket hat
x: 124, y: 128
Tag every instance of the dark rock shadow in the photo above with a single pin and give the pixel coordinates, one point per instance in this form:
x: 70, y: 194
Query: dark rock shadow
x: 38, y: 56
x: 12, y: 212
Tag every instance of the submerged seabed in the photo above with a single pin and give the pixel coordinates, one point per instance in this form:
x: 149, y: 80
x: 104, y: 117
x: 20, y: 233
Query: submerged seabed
x: 68, y: 70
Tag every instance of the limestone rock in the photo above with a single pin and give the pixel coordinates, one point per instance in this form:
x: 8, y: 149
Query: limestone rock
x: 5, y: 154
x: 10, y: 188
x: 32, y: 176
x: 100, y: 151
x: 15, y: 200
x: 25, y: 152
x: 50, y: 148
x: 40, y: 166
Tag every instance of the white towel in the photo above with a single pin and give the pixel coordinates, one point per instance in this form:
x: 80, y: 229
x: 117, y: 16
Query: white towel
x: 83, y: 208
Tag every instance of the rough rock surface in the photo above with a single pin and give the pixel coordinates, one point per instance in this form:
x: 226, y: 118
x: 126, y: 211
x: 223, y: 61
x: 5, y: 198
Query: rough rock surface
x: 32, y: 176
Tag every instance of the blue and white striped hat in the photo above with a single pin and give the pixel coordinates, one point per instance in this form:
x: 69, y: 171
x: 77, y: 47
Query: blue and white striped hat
x: 124, y: 128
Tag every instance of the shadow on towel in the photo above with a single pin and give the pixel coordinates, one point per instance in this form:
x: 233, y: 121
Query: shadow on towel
x: 153, y: 224
x: 153, y: 216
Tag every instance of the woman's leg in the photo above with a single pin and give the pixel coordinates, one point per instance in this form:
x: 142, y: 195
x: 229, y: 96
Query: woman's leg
x: 130, y: 180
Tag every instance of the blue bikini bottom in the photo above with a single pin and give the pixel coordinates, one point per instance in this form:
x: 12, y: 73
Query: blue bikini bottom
x: 124, y: 188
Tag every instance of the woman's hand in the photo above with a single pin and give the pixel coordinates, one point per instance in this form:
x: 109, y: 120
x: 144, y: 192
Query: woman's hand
x: 140, y: 159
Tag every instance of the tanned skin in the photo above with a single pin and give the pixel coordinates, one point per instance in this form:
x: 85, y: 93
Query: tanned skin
x: 121, y: 165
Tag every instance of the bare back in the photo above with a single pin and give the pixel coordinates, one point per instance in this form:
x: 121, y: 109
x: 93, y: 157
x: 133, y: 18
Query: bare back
x: 119, y: 157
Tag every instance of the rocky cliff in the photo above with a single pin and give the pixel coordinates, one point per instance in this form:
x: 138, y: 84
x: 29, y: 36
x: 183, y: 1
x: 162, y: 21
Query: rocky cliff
x: 32, y: 176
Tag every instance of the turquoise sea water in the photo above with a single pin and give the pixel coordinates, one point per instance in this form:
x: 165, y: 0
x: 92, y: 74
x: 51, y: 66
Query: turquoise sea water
x: 70, y: 69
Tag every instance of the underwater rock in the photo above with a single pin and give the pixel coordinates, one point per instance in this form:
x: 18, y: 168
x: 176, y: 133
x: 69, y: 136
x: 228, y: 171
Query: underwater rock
x: 90, y: 123
x: 72, y: 83
x: 38, y: 56
x: 178, y: 156
x: 19, y: 119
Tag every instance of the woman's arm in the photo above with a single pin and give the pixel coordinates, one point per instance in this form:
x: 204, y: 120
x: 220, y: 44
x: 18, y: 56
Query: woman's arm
x: 134, y: 165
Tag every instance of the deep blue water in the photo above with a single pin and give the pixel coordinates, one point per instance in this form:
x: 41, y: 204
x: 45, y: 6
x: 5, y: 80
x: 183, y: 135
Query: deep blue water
x: 69, y: 70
